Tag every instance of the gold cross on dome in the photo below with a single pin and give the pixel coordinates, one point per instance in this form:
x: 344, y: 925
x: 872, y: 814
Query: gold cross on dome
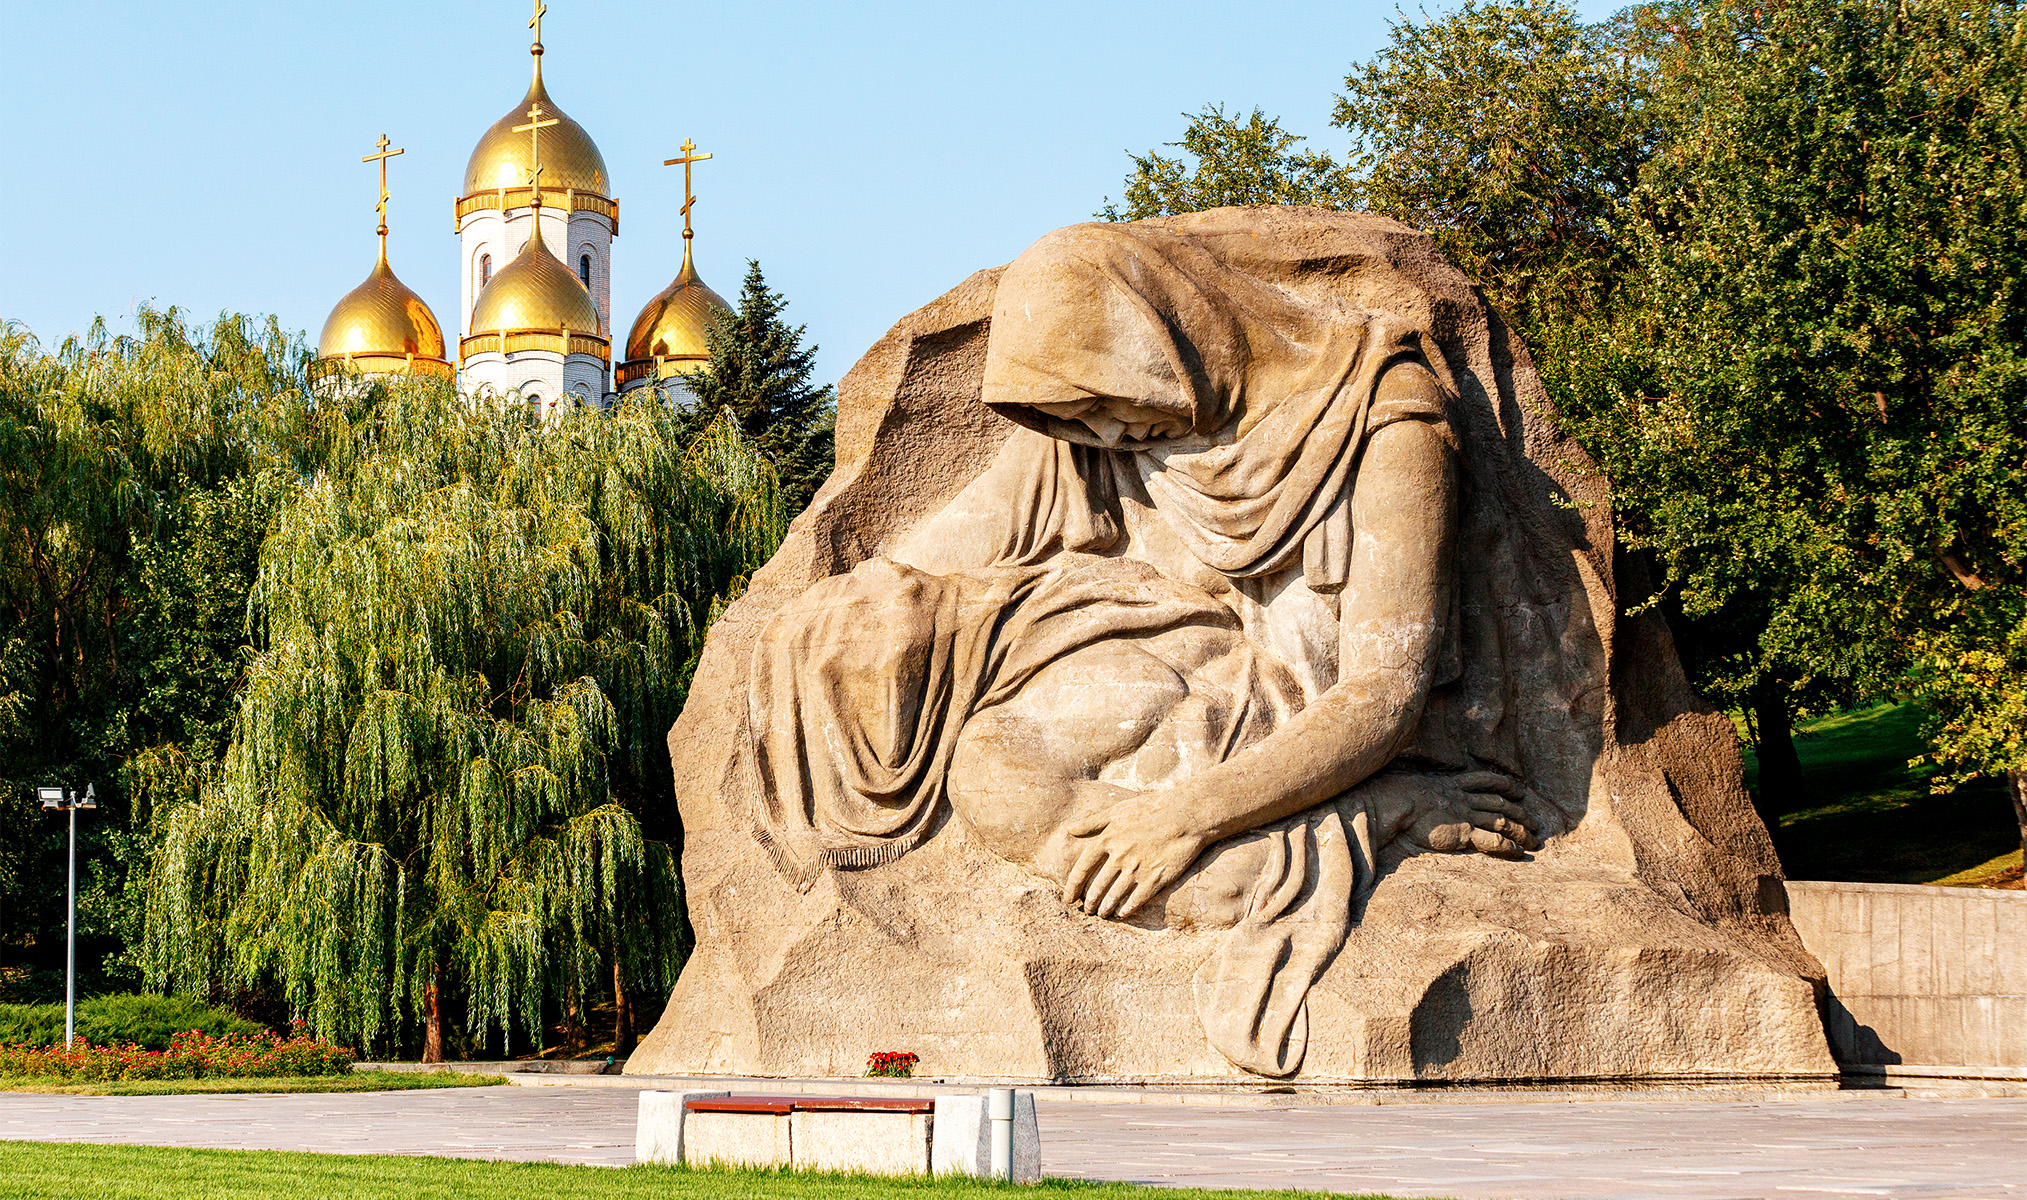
x: 535, y: 22
x: 689, y: 158
x: 534, y: 129
x: 381, y: 207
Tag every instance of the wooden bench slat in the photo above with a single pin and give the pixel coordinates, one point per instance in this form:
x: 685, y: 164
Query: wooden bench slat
x: 779, y: 1105
x: 742, y: 1104
x: 864, y: 1104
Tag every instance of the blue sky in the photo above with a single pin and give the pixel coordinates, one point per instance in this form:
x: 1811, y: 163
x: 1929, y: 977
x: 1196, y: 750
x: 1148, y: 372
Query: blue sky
x: 870, y: 156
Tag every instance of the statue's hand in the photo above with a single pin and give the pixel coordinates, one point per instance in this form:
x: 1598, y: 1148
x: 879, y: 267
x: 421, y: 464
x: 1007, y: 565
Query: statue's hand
x: 1482, y: 811
x: 1129, y: 852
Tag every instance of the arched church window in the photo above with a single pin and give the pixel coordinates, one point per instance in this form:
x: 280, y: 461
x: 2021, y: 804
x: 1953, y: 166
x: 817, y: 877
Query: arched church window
x: 485, y: 269
x: 584, y: 269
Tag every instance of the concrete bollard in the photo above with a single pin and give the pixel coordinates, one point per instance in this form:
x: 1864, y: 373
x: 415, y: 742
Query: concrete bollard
x: 999, y: 1106
x: 658, y: 1130
x: 966, y: 1139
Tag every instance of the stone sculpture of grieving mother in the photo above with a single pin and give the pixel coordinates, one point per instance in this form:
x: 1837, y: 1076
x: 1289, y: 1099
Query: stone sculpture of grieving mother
x: 1197, y: 605
x: 1252, y: 587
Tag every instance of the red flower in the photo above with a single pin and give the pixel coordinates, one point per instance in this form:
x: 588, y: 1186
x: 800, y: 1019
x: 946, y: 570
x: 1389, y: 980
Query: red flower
x: 893, y: 1064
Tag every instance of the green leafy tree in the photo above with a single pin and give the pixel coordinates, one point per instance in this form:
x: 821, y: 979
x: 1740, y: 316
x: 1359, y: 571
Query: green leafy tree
x: 445, y: 773
x: 1517, y: 133
x: 1821, y: 400
x: 183, y: 646
x: 117, y: 456
x: 1510, y: 130
x: 1229, y: 162
x: 762, y: 374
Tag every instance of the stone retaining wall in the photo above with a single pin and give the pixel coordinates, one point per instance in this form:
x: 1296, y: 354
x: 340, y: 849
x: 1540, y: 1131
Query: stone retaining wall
x: 1920, y: 976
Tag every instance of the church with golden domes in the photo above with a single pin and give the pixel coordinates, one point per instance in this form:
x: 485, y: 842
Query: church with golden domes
x: 535, y: 226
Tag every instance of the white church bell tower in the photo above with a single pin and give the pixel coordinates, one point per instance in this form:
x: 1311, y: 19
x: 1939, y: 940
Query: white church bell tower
x: 535, y: 312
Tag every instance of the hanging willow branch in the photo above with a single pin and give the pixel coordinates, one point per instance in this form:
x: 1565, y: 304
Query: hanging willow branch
x: 474, y: 634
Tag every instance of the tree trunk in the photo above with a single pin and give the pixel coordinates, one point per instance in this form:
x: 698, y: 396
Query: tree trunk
x: 622, y: 1010
x: 1780, y: 783
x: 432, y: 1020
x: 2016, y: 786
x: 573, y: 1019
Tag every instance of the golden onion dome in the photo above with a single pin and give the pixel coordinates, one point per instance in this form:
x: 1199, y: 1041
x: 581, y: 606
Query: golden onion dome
x: 673, y: 323
x: 535, y: 291
x: 381, y: 319
x: 570, y: 159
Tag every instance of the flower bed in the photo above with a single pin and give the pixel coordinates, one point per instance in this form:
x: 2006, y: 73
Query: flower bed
x: 893, y: 1064
x: 190, y: 1055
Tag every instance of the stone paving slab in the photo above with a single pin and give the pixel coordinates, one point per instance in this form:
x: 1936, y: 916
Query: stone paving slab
x: 1864, y: 1089
x: 1793, y: 1149
x: 593, y: 1127
x: 1619, y: 1150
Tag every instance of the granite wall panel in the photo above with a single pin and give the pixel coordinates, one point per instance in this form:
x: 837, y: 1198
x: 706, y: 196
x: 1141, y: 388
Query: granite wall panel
x: 1919, y: 975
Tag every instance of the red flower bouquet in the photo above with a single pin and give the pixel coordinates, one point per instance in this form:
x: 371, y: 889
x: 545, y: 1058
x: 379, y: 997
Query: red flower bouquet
x: 891, y: 1064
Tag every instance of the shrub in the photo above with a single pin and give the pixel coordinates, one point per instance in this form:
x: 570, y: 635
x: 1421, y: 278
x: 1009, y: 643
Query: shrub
x: 31, y: 1024
x: 148, y: 1022
x: 151, y: 1021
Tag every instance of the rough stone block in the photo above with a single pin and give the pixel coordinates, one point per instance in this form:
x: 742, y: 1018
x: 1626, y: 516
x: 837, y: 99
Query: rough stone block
x: 963, y: 1142
x: 658, y: 1133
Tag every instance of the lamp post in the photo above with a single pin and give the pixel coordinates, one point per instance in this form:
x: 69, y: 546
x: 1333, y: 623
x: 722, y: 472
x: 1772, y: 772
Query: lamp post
x: 56, y: 799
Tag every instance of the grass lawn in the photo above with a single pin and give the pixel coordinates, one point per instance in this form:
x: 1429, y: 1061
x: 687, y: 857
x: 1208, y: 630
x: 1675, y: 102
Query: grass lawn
x: 43, y: 1169
x: 2002, y: 872
x: 357, y: 1081
x: 1864, y: 817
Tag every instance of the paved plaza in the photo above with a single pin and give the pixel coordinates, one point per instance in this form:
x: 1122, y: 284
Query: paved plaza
x: 1834, y: 1145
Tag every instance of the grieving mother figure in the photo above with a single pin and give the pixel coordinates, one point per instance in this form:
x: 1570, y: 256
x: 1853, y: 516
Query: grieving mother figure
x: 1173, y: 649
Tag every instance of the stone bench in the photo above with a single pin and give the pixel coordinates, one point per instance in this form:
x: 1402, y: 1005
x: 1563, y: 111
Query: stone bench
x: 946, y: 1135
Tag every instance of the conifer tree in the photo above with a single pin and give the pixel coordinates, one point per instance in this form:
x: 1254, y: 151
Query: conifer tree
x: 760, y: 371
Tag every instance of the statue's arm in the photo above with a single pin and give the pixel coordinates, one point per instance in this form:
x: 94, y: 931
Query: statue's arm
x: 1390, y: 621
x: 1404, y: 520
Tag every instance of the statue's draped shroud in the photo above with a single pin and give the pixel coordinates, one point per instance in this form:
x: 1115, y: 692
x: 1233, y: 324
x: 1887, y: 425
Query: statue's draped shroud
x: 1646, y: 937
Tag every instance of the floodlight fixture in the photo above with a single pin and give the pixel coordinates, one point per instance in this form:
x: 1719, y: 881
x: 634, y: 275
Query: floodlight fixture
x: 56, y: 799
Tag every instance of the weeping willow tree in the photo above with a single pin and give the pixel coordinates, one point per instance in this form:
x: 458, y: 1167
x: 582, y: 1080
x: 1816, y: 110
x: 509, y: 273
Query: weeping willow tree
x: 445, y: 795
x: 136, y: 473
